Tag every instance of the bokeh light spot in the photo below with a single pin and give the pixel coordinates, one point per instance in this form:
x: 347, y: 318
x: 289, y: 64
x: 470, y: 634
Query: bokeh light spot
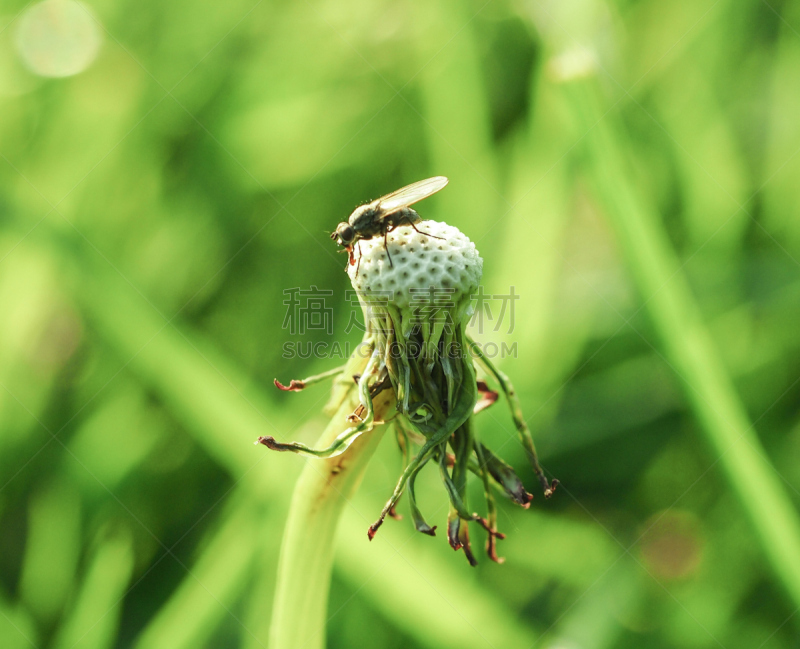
x: 672, y: 545
x: 58, y: 38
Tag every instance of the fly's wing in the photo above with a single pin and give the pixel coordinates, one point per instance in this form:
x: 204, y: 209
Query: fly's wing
x: 411, y: 194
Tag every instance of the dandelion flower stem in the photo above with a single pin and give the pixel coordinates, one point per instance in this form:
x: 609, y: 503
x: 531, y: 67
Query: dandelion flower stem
x: 323, y: 489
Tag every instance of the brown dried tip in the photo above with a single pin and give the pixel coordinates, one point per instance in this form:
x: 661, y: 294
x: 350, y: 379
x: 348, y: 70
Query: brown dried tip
x: 373, y: 529
x: 356, y: 417
x: 486, y: 397
x: 551, y: 489
x: 458, y: 536
x: 525, y: 501
x: 491, y: 543
x: 491, y: 549
x: 294, y: 386
x: 470, y: 557
x: 273, y: 445
x: 452, y: 533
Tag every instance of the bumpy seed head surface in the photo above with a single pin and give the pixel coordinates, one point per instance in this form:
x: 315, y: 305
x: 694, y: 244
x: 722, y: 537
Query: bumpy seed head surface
x: 419, y: 261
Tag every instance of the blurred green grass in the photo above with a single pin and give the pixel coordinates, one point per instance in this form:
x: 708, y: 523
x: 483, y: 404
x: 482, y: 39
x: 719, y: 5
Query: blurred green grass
x: 629, y: 167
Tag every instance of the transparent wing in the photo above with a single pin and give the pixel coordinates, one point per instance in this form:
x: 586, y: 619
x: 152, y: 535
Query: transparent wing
x: 412, y: 193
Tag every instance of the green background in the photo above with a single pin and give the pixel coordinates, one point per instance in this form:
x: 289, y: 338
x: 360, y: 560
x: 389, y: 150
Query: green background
x: 630, y: 167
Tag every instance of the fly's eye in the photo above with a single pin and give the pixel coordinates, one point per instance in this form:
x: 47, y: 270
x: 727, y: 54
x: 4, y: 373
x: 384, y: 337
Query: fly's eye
x: 345, y: 233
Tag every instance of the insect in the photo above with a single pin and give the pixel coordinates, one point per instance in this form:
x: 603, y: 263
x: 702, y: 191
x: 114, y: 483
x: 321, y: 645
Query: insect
x: 384, y: 214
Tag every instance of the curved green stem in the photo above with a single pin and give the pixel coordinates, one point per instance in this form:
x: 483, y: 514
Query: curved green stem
x: 516, y: 414
x: 343, y: 440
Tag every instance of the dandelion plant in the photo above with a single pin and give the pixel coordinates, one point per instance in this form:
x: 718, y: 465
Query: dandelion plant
x: 414, y: 371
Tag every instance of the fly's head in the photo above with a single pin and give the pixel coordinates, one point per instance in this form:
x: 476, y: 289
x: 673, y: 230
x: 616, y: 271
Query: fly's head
x: 344, y: 234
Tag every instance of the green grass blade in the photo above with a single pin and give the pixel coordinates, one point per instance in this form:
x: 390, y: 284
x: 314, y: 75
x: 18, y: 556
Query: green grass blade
x: 92, y: 622
x: 405, y: 579
x: 204, y: 598
x: 688, y: 346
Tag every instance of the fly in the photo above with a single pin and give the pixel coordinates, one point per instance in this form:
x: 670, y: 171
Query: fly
x: 384, y: 214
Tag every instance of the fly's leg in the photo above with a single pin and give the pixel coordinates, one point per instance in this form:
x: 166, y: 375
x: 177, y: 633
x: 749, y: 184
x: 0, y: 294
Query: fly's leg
x: 425, y: 233
x: 358, y: 243
x: 386, y: 247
